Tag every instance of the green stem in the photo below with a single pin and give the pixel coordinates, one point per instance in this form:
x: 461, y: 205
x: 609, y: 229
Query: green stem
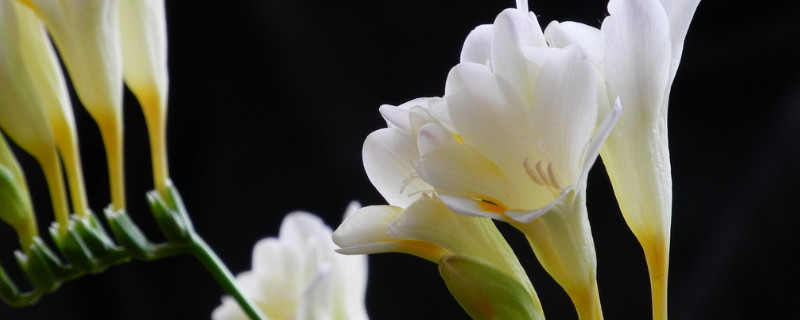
x: 217, y: 268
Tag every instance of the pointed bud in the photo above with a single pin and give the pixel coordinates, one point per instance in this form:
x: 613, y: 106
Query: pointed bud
x: 15, y: 203
x: 485, y: 292
x: 143, y: 35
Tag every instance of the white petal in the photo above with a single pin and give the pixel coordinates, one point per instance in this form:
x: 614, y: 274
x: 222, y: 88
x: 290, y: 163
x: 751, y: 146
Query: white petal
x: 586, y: 37
x: 390, y: 156
x: 229, y: 310
x: 22, y: 111
x: 530, y: 215
x: 368, y: 225
x: 680, y: 14
x: 637, y: 58
x: 599, y: 138
x: 433, y: 135
x: 515, y: 30
x: 469, y: 207
x: 143, y: 39
x: 487, y: 114
x: 395, y: 117
x: 87, y: 36
x: 478, y: 45
x: 564, y: 112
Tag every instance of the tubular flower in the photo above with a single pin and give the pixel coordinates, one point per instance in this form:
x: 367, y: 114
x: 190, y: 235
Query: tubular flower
x: 22, y: 111
x: 522, y: 143
x: 45, y: 71
x: 86, y: 34
x: 416, y: 221
x: 637, y: 50
x: 299, y: 276
x: 15, y: 203
x: 143, y: 34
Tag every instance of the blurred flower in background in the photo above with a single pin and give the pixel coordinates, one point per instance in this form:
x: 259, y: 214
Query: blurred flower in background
x: 298, y: 275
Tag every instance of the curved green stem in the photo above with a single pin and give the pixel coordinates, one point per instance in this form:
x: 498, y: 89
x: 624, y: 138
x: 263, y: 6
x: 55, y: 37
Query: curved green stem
x: 217, y: 268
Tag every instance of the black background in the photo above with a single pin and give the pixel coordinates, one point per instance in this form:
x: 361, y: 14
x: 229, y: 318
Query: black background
x: 270, y: 102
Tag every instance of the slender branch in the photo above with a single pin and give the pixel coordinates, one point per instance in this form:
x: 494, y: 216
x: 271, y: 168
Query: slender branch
x: 217, y: 268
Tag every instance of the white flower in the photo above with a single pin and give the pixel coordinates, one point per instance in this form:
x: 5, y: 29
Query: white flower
x: 299, y: 276
x: 637, y: 51
x: 522, y: 143
x: 416, y: 221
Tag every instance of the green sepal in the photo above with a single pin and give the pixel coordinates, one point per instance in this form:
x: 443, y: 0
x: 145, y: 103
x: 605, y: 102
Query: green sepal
x: 41, y: 266
x: 484, y: 291
x: 170, y: 214
x: 72, y: 246
x: 128, y: 234
x: 8, y: 290
x: 93, y: 235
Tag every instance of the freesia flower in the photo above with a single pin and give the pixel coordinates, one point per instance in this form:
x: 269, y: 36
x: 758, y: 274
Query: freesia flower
x: 44, y: 69
x: 299, y: 275
x: 416, y: 221
x: 523, y: 141
x: 15, y: 203
x: 86, y: 34
x: 143, y: 33
x: 637, y: 50
x: 22, y: 112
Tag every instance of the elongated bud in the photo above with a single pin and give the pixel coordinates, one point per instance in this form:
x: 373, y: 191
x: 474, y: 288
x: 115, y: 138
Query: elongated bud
x: 143, y: 35
x: 484, y: 291
x: 22, y: 112
x: 86, y: 34
x: 15, y: 203
x: 43, y: 67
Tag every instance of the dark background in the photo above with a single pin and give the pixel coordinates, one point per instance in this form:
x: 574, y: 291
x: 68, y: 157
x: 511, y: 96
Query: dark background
x: 270, y: 102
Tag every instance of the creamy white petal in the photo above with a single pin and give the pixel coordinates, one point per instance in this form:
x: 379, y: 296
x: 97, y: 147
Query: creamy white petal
x: 564, y: 112
x: 23, y: 113
x: 528, y: 216
x: 487, y: 114
x: 143, y: 38
x: 586, y: 37
x: 600, y: 135
x: 390, y: 157
x: 433, y: 135
x: 513, y: 31
x: 367, y: 225
x: 478, y: 45
x: 637, y: 58
x: 680, y: 13
x: 87, y: 36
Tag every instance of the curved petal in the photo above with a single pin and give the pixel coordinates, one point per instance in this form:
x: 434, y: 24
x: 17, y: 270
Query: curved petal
x: 680, y: 14
x: 390, y: 156
x: 368, y: 231
x: 564, y: 111
x: 586, y: 37
x: 86, y: 34
x: 637, y: 58
x: 478, y: 45
x: 487, y: 114
x: 515, y: 30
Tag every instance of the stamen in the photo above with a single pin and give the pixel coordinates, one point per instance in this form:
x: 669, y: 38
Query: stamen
x: 542, y: 173
x: 553, y: 180
x: 532, y: 173
x: 408, y: 181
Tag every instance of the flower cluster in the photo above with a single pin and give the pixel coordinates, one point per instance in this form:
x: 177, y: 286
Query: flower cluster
x: 524, y: 116
x: 103, y: 44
